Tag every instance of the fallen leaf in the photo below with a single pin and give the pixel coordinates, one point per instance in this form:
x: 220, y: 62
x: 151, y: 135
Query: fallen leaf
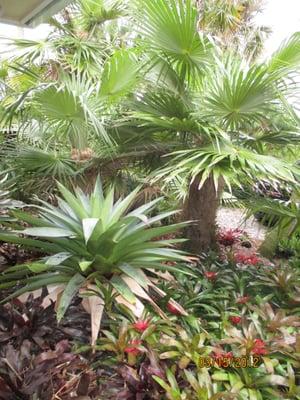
x: 139, y: 291
x: 94, y: 305
x: 53, y: 294
x: 137, y: 308
x: 35, y: 293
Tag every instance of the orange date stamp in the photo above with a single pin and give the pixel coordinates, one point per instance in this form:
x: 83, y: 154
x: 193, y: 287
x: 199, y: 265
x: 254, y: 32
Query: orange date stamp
x: 230, y: 362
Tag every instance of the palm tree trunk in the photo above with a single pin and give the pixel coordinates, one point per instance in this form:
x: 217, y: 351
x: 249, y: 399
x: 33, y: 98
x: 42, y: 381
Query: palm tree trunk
x: 201, y: 207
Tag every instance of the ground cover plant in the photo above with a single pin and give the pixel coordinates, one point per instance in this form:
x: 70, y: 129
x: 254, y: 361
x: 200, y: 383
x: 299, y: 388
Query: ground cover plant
x: 121, y: 134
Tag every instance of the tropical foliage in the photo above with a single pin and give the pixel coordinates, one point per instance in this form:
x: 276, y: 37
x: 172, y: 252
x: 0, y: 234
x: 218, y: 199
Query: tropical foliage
x: 127, y: 111
x: 94, y: 244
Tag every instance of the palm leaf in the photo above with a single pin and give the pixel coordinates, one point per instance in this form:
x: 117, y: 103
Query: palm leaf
x: 119, y: 75
x: 170, y: 28
x: 225, y: 161
x: 287, y: 58
x: 238, y: 95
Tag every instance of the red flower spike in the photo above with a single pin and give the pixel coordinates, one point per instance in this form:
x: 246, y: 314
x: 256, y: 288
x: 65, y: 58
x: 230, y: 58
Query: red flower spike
x: 210, y: 275
x: 259, y: 347
x: 247, y: 259
x: 242, y: 300
x: 215, y: 355
x: 259, y: 343
x: 132, y: 350
x: 132, y: 347
x: 235, y: 320
x: 141, y: 326
x: 259, y: 351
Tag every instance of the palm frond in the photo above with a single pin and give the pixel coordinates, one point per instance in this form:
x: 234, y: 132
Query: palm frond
x: 92, y: 13
x: 72, y: 109
x: 170, y: 29
x: 287, y: 58
x: 281, y: 137
x: 26, y: 51
x: 238, y: 95
x: 221, y: 16
x: 46, y: 163
x: 168, y: 112
x: 278, y: 214
x: 6, y: 189
x: 119, y: 75
x: 225, y: 161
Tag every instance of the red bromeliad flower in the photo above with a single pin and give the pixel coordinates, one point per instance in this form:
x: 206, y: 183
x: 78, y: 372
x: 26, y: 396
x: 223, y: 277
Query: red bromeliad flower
x: 259, y: 343
x: 243, y: 299
x: 132, y: 347
x: 259, y: 347
x: 235, y: 320
x: 229, y: 237
x: 248, y: 259
x: 210, y: 275
x: 141, y: 326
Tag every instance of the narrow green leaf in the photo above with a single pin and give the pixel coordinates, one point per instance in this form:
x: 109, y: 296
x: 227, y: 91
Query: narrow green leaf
x: 122, y: 288
x: 88, y: 226
x: 58, y: 258
x: 48, y: 232
x: 52, y: 280
x: 136, y: 274
x: 36, y: 267
x: 71, y: 289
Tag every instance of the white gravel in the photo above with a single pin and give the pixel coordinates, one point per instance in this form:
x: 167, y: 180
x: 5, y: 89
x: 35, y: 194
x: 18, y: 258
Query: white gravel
x: 231, y: 218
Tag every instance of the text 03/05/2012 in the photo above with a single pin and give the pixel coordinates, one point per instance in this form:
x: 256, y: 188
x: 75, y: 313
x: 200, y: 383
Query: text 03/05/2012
x: 230, y: 362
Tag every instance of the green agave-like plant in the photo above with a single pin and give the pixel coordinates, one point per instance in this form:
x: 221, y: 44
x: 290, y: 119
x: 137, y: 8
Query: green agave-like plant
x: 94, y: 242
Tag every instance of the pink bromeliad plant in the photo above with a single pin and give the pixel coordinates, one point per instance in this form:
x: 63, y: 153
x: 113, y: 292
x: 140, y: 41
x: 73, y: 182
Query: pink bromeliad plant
x: 228, y: 237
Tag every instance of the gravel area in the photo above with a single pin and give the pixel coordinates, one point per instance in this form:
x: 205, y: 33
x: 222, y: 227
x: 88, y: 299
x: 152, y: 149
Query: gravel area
x: 231, y: 218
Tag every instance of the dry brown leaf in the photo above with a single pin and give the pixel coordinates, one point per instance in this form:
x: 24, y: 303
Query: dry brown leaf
x: 36, y: 293
x: 137, y: 308
x: 82, y: 398
x: 86, y: 305
x: 140, y: 292
x: 164, y: 275
x: 94, y: 305
x: 53, y: 295
x: 160, y: 292
x: 97, y: 306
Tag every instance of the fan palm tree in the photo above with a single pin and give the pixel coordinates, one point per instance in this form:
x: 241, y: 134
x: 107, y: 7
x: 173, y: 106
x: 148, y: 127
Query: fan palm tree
x: 81, y: 38
x: 233, y: 24
x: 211, y: 110
x: 59, y: 92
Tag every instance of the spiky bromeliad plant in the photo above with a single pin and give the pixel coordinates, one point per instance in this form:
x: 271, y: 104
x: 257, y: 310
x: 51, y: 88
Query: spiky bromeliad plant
x: 96, y: 244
